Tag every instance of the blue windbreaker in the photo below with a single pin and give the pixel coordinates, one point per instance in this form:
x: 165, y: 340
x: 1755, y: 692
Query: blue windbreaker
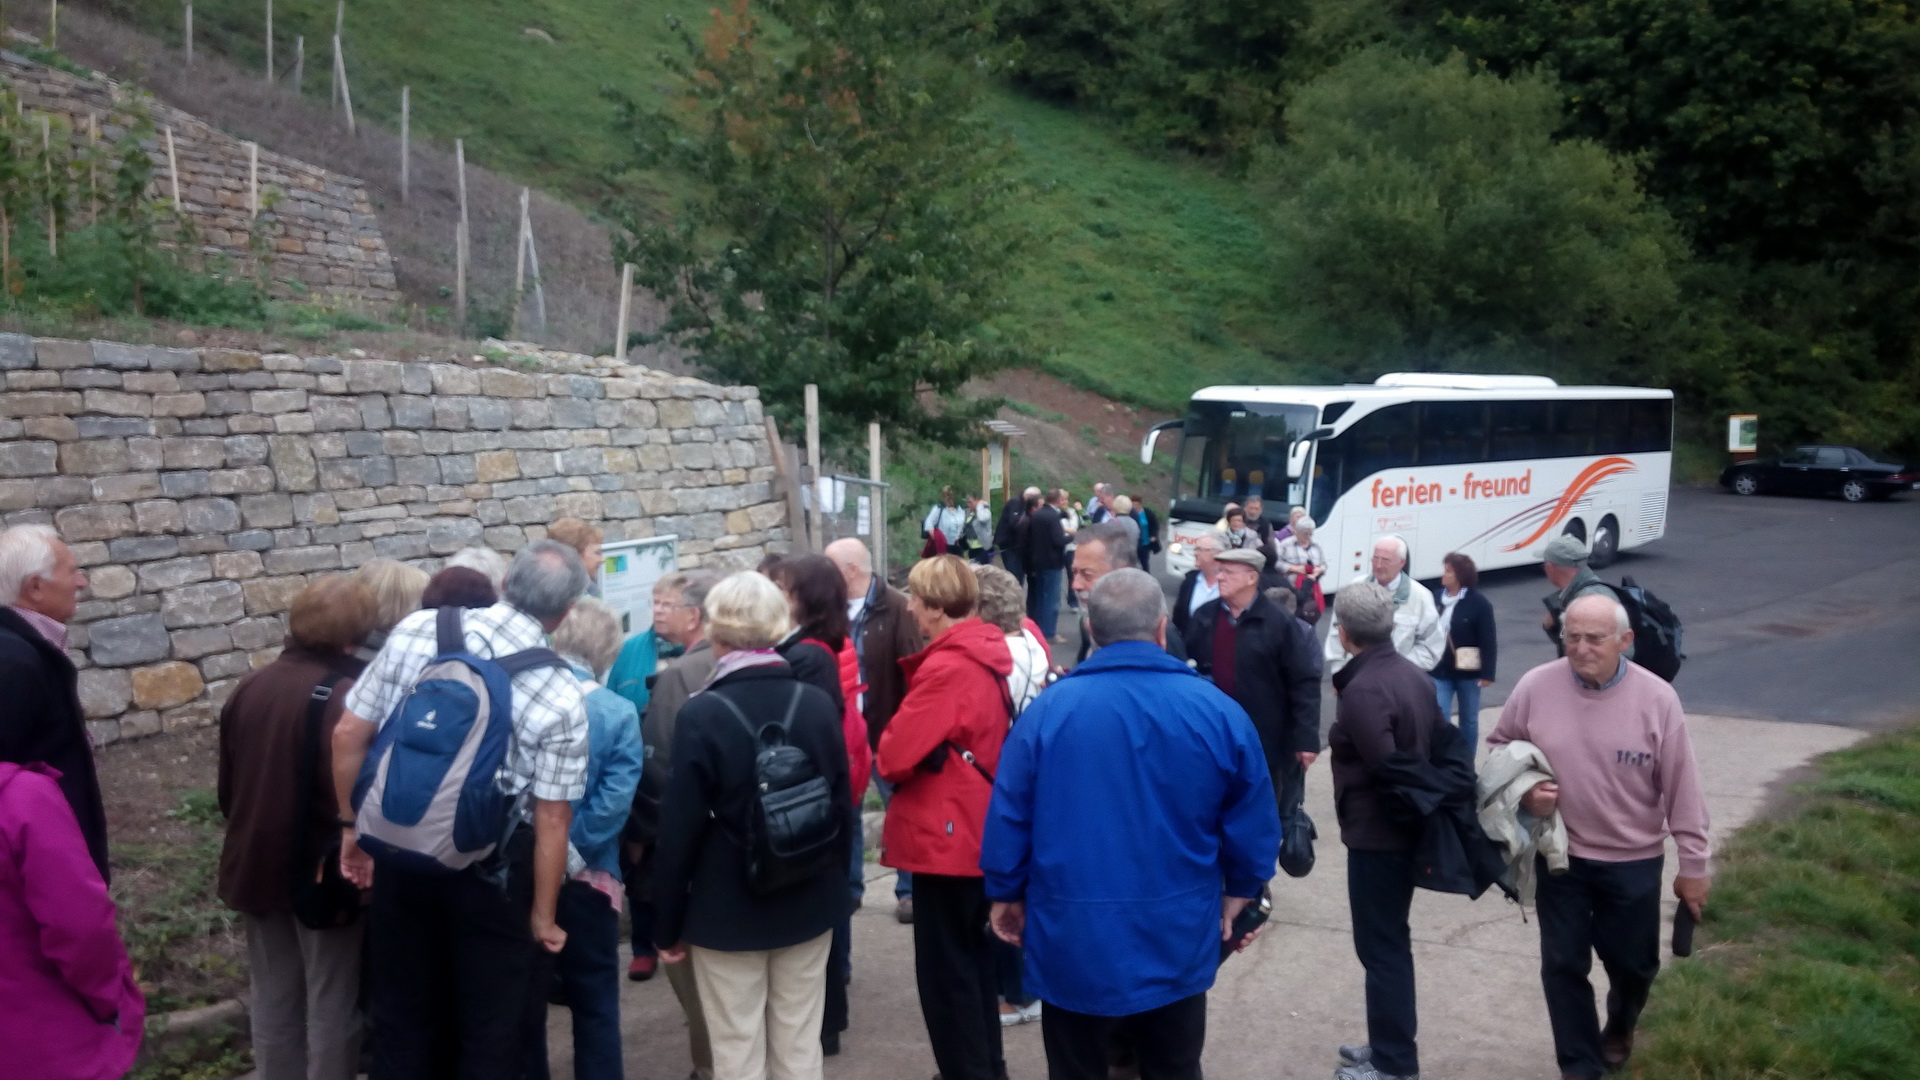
x: 614, y: 755
x: 1130, y: 797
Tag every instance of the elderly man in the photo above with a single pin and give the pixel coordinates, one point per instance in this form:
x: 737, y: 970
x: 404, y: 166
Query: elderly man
x: 1046, y: 561
x: 1418, y: 633
x: 1386, y: 706
x: 1201, y: 584
x: 1102, y: 509
x: 1123, y: 928
x: 40, y: 717
x: 1565, y: 562
x: 1625, y: 781
x: 1010, y: 534
x: 883, y: 634
x: 1262, y: 658
x: 452, y: 953
x: 1099, y: 550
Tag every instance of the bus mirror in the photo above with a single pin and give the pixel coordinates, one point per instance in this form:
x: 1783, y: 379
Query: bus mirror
x: 1153, y: 433
x: 1297, y: 453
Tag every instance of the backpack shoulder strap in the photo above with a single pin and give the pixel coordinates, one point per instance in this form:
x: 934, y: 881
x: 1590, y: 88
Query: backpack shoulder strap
x: 528, y: 659
x: 752, y: 732
x: 452, y: 636
x: 309, y: 764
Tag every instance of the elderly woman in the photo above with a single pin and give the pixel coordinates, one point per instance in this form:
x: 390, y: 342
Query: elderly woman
x: 396, y: 589
x: 947, y: 519
x: 1473, y: 646
x: 485, y: 561
x: 276, y: 790
x: 1304, y: 563
x: 589, y: 907
x: 939, y: 751
x: 759, y: 959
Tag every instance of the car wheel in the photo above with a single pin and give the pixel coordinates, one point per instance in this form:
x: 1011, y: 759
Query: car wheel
x: 1746, y: 484
x: 1606, y: 544
x: 1854, y: 491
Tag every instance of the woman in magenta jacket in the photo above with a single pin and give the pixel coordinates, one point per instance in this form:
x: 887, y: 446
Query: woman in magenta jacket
x: 939, y: 751
x: 72, y: 1009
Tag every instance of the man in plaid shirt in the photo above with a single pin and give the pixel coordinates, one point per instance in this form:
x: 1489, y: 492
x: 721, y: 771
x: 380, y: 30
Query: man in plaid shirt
x: 458, y: 939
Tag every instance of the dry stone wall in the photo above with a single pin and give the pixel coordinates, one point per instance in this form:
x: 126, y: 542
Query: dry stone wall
x: 201, y: 489
x: 320, y: 225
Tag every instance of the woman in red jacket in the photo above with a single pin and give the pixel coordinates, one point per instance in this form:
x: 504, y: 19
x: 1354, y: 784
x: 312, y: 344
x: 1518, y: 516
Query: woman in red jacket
x: 940, y: 751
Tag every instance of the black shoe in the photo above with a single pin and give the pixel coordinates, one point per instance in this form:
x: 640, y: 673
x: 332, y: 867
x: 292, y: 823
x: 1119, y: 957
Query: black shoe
x: 830, y: 1043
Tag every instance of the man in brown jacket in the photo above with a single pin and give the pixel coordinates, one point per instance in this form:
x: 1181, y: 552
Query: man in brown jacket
x: 883, y: 635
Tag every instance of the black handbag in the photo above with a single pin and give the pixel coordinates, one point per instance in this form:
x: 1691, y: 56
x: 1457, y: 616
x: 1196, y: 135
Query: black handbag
x: 323, y: 899
x: 1297, y: 833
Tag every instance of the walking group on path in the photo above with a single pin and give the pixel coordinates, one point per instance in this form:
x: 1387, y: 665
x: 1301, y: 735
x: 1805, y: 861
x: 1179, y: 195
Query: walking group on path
x: 447, y: 790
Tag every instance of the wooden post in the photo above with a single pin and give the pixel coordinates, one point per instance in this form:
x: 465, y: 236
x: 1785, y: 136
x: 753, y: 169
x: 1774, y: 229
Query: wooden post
x: 519, y: 267
x: 269, y: 42
x: 189, y: 34
x: 985, y: 455
x: 46, y: 149
x: 626, y: 309
x: 299, y: 61
x: 340, y: 76
x: 173, y: 169
x: 93, y: 168
x: 460, y: 236
x: 873, y: 451
x: 879, y: 520
x: 340, y: 18
x: 796, y: 517
x: 406, y: 149
x: 539, y: 286
x: 813, y: 464
x: 253, y: 180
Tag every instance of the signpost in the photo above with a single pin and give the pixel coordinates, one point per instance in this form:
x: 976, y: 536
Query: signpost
x: 1743, y: 435
x: 628, y: 573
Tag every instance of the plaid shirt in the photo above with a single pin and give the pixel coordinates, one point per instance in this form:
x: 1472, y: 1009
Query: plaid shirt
x: 549, y: 750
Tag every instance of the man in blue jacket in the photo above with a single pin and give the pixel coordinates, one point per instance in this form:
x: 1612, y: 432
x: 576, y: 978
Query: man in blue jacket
x: 1132, y: 819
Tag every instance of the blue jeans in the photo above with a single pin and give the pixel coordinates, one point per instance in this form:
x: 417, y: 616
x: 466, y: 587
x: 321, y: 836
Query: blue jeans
x: 1043, y: 599
x: 1468, y: 691
x: 902, y: 879
x: 589, y: 969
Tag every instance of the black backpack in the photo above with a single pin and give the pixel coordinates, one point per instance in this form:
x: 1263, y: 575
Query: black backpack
x: 1656, y: 629
x: 795, y: 821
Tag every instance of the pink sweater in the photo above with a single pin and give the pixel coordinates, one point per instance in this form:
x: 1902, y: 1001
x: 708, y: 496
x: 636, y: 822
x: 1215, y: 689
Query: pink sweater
x: 1622, y: 759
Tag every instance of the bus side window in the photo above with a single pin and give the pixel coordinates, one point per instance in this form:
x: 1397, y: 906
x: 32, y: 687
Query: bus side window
x: 1652, y: 431
x: 1573, y: 424
x: 1520, y: 430
x: 1380, y: 441
x: 1452, y: 432
x: 1613, y: 430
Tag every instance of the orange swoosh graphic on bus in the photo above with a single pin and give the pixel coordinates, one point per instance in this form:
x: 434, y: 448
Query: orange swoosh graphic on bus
x: 1589, y: 476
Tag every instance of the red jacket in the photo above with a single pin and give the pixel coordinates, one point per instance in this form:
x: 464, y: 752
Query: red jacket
x: 956, y: 692
x: 853, y: 725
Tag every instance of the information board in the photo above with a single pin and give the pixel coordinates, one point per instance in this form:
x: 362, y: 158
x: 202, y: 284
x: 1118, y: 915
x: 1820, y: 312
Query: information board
x: 627, y: 575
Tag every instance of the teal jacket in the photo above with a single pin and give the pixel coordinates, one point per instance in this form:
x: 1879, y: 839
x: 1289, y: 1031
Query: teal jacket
x: 639, y: 658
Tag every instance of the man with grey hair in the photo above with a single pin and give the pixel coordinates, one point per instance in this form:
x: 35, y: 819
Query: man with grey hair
x: 1201, y: 583
x: 40, y: 715
x: 1565, y: 562
x: 1102, y: 509
x: 1387, y: 706
x: 1100, y: 550
x: 1624, y: 781
x: 1418, y: 633
x: 452, y: 954
x: 1124, y: 929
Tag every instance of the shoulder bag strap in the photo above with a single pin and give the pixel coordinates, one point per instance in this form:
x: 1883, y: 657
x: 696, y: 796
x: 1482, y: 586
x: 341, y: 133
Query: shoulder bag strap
x: 309, y: 764
x: 452, y: 637
x: 528, y: 659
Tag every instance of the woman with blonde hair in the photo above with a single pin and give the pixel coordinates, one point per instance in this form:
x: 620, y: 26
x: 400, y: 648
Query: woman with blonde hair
x: 759, y: 948
x: 396, y: 589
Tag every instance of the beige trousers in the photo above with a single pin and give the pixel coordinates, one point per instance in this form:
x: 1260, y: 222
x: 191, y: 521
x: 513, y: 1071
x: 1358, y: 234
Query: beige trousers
x: 763, y: 1009
x: 680, y: 977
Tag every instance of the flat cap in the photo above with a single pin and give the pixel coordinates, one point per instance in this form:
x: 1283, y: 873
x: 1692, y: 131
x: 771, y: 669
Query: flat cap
x: 1243, y: 556
x: 1565, y: 550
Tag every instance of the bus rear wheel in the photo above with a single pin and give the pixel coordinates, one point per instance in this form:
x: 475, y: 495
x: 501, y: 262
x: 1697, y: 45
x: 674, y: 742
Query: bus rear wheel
x: 1606, y: 543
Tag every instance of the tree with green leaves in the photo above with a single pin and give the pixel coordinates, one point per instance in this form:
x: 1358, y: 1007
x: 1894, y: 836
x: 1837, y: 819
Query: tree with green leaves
x: 846, y: 217
x: 1428, y: 218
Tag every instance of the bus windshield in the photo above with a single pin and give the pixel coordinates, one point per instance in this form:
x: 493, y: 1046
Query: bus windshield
x: 1240, y: 449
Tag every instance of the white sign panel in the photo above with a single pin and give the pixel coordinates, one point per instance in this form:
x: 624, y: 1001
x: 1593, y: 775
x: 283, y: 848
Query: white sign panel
x: 627, y: 573
x: 863, y: 526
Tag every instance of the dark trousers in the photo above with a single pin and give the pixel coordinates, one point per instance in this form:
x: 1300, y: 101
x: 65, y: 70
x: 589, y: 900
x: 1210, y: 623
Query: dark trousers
x: 1380, y: 894
x: 1015, y: 563
x: 954, y: 967
x: 1166, y: 1041
x: 637, y: 877
x: 1009, y: 970
x: 452, y: 962
x: 588, y: 968
x: 1597, y: 907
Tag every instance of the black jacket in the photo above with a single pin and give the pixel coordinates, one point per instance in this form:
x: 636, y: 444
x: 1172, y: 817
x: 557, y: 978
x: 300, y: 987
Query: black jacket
x: 700, y: 877
x: 41, y: 721
x: 1472, y: 627
x: 1432, y: 796
x: 1011, y: 532
x: 1387, y: 705
x: 1274, y: 676
x: 814, y: 665
x: 1046, y: 540
x: 1180, y: 618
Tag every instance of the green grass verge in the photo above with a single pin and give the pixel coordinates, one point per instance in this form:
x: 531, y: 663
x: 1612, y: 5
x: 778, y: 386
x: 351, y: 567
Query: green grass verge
x: 1811, y: 962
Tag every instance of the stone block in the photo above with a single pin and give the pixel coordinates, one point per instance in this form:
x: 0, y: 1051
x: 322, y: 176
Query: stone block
x: 453, y: 379
x: 335, y: 414
x: 146, y: 453
x: 149, y: 382
x: 164, y: 359
x: 416, y: 379
x: 293, y: 423
x: 98, y: 521
x: 374, y: 414
x: 488, y: 414
x: 535, y: 464
x: 691, y: 456
x: 112, y: 354
x: 108, y: 427
x: 294, y: 466
x: 418, y: 471
x: 400, y: 443
x: 322, y: 365
x: 675, y: 413
x: 226, y: 665
x: 204, y: 425
x: 530, y: 510
x: 450, y: 414
x: 139, y: 725
x: 16, y: 352
x: 196, y: 642
x: 274, y: 510
x: 496, y: 466
x: 187, y: 404
x: 163, y: 686
x: 402, y: 546
x: 210, y: 515
x: 93, y: 457
x: 299, y: 560
x: 182, y: 485
x: 328, y: 444
x: 237, y: 565
x: 134, y: 639
x: 173, y: 573
x: 37, y: 380
x: 57, y: 428
x: 257, y: 633
x: 412, y: 412
x: 134, y: 549
x: 500, y: 383
x: 315, y: 509
x: 157, y: 515
x: 127, y: 487
x: 269, y: 402
x: 208, y: 603
x: 105, y: 692
x: 193, y: 452
x: 531, y: 414
x: 505, y: 538
x: 58, y: 354
x: 373, y: 377
x: 116, y: 403
x: 254, y: 479
x: 245, y: 450
x: 19, y: 494
x: 29, y: 458
x: 376, y: 471
x: 448, y: 535
x: 583, y: 461
x: 572, y: 413
x: 228, y: 360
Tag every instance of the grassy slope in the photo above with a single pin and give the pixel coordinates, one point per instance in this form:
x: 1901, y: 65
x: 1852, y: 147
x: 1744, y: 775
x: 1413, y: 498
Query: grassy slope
x: 1154, y: 281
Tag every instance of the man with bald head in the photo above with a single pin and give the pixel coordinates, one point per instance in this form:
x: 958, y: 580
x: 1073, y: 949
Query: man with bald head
x: 1624, y: 781
x: 1418, y: 633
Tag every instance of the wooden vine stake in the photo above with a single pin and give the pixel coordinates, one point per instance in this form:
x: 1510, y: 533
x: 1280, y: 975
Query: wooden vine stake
x: 520, y: 266
x: 539, y: 287
x: 188, y: 34
x: 53, y: 24
x: 340, y: 77
x: 299, y: 61
x: 253, y: 180
x: 406, y: 146
x: 46, y: 149
x: 93, y: 168
x: 173, y: 169
x: 269, y: 42
x: 460, y: 237
x: 626, y: 310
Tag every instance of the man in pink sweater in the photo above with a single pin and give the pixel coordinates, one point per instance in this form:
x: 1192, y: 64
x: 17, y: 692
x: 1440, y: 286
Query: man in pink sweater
x: 1615, y: 737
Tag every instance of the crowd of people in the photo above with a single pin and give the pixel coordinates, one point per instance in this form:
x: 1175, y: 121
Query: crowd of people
x: 448, y: 789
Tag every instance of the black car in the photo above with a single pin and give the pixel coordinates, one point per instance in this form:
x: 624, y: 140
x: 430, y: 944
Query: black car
x: 1820, y: 470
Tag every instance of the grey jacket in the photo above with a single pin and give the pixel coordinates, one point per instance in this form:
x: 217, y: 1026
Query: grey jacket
x: 689, y: 672
x: 1511, y: 770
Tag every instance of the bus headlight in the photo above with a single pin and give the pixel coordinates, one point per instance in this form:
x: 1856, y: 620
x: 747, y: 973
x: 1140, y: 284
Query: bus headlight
x: 1176, y: 548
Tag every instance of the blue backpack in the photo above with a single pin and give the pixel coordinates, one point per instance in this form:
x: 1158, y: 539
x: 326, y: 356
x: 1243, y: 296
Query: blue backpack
x: 428, y: 797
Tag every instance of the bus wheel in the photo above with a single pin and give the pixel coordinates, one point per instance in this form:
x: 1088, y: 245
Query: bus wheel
x: 1606, y: 543
x: 1576, y: 529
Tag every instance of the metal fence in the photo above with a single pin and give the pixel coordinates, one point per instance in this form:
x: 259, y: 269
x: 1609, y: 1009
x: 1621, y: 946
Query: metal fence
x: 852, y: 506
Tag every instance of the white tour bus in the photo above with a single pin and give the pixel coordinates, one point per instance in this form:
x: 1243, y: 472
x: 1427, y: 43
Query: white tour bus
x: 1490, y: 465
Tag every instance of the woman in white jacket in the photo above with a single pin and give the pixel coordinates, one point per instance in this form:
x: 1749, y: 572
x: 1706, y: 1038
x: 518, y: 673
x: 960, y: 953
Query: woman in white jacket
x: 948, y: 518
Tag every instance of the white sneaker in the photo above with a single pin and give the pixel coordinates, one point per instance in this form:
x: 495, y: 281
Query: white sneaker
x: 1365, y: 1071
x: 1026, y: 1014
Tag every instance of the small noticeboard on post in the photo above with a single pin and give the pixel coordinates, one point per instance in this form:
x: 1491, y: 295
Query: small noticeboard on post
x: 1743, y: 434
x: 628, y: 571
